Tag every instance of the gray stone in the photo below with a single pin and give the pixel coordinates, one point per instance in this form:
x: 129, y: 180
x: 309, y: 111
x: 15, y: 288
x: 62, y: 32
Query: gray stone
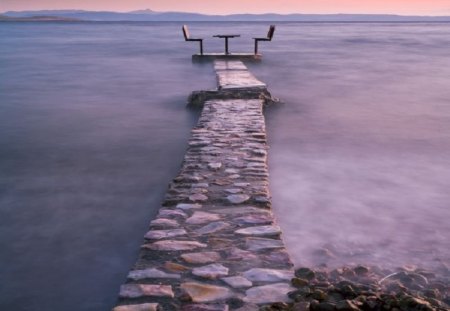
x: 145, y: 290
x: 203, y: 257
x: 173, y: 245
x: 163, y: 234
x: 241, y: 210
x: 268, y: 275
x: 241, y: 184
x: 201, y: 217
x: 205, y: 293
x: 238, y: 198
x: 256, y: 244
x: 170, y: 212
x: 260, y: 230
x: 198, y: 197
x: 151, y: 273
x: 237, y: 281
x: 215, y: 166
x: 200, y: 185
x: 139, y: 307
x: 164, y: 222
x: 231, y: 171
x: 187, y: 206
x: 212, y: 271
x: 234, y: 190
x: 213, y: 227
x: 268, y: 293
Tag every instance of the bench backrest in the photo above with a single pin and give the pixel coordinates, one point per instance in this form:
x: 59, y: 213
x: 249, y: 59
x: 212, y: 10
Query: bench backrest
x: 185, y: 32
x: 271, y: 31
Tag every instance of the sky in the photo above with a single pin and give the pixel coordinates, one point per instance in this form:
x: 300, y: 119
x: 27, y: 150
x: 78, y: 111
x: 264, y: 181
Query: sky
x: 402, y: 7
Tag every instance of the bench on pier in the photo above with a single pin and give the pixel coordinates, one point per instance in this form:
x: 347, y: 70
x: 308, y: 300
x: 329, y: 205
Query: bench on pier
x: 187, y: 37
x: 268, y: 38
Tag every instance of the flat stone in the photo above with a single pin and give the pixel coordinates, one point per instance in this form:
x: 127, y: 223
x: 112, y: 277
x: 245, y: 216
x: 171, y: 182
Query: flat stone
x: 237, y: 281
x: 170, y: 212
x: 175, y: 267
x: 201, y: 217
x: 139, y: 307
x: 173, y: 245
x: 260, y: 230
x: 231, y: 171
x: 269, y: 293
x: 240, y: 254
x: 200, y: 185
x: 229, y: 65
x: 248, y: 307
x: 213, y: 227
x: 198, y: 197
x: 279, y: 257
x: 220, y: 243
x: 163, y: 234
x: 212, y: 271
x: 214, y: 166
x: 203, y: 307
x: 238, y: 198
x: 151, y: 273
x: 164, y: 222
x: 254, y: 219
x: 268, y: 275
x: 205, y: 293
x: 203, y: 257
x: 234, y: 190
x: 241, y: 184
x: 187, y: 206
x: 234, y: 176
x: 241, y: 210
x: 256, y: 244
x: 145, y: 290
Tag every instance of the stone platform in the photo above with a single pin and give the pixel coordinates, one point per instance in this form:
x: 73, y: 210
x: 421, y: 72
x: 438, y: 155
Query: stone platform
x: 232, y: 56
x: 215, y: 244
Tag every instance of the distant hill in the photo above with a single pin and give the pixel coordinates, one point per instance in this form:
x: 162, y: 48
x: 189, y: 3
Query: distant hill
x: 41, y: 18
x: 149, y: 15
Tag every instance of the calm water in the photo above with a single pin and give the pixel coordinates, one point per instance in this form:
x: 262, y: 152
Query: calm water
x: 93, y: 126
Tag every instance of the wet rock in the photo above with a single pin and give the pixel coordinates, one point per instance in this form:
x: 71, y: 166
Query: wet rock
x: 175, y: 267
x: 204, y: 257
x: 268, y: 275
x: 323, y: 306
x: 173, y: 245
x: 238, y: 198
x: 237, y: 281
x: 201, y: 217
x: 346, y: 305
x: 268, y: 293
x: 212, y: 271
x: 144, y: 290
x: 414, y: 304
x: 240, y: 254
x: 260, y: 230
x: 215, y: 166
x: 151, y: 273
x: 213, y: 227
x: 301, y: 306
x: 163, y: 234
x: 305, y: 273
x: 361, y: 270
x: 299, y: 282
x: 233, y: 191
x: 205, y: 293
x: 139, y: 307
x: 254, y: 219
x: 173, y: 213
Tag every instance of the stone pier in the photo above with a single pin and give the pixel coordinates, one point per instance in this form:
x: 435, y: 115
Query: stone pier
x: 215, y: 244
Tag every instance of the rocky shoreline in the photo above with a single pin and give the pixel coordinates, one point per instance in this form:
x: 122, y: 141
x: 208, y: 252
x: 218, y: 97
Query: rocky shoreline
x: 364, y: 288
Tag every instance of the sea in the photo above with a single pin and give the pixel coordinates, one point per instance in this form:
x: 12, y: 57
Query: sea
x: 94, y: 125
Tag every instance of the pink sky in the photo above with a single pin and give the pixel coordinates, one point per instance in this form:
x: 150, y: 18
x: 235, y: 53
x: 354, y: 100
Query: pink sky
x: 404, y: 7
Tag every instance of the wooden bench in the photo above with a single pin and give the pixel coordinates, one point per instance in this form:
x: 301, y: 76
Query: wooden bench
x: 268, y: 38
x: 187, y: 37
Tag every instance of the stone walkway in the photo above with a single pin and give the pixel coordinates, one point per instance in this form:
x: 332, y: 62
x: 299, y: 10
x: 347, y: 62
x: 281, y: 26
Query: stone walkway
x: 214, y: 244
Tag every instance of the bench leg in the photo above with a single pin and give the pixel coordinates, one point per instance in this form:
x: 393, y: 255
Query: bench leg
x: 256, y: 47
x: 201, y: 47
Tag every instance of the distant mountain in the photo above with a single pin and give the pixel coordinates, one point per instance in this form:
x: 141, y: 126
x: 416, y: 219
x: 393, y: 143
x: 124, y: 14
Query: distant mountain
x: 41, y: 18
x: 149, y: 15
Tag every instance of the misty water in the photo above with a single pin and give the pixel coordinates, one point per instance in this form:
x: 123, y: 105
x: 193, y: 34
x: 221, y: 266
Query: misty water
x: 93, y: 126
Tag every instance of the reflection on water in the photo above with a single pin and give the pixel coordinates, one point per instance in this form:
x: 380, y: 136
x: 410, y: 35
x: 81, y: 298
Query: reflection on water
x: 93, y: 127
